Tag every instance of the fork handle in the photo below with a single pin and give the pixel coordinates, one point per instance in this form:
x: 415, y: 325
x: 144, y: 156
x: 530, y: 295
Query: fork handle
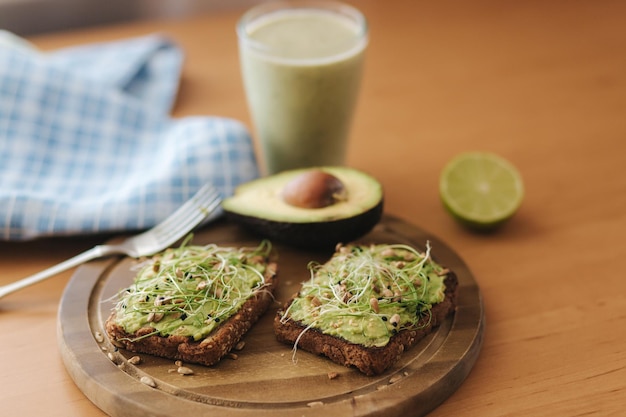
x: 93, y: 253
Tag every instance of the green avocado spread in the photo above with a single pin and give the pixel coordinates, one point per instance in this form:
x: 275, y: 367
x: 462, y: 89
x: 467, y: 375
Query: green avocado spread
x: 190, y: 290
x: 366, y: 294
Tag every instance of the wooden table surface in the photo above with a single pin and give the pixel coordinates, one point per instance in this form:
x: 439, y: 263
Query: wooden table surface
x: 540, y: 82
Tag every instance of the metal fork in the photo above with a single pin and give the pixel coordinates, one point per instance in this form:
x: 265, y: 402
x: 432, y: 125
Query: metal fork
x: 160, y: 237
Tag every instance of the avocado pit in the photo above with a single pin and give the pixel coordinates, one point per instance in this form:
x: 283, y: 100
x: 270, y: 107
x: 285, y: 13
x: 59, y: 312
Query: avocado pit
x: 314, y: 189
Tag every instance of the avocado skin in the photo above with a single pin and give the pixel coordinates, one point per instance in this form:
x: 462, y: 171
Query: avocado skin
x: 312, y: 235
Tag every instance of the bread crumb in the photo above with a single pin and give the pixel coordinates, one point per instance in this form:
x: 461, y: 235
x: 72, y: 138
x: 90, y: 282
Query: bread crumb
x: 315, y: 404
x: 332, y: 375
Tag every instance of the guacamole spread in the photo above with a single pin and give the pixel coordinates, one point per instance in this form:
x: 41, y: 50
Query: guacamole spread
x: 366, y: 294
x: 190, y: 290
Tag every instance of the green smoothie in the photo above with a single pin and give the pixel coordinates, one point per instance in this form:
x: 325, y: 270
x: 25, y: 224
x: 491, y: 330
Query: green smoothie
x: 302, y: 69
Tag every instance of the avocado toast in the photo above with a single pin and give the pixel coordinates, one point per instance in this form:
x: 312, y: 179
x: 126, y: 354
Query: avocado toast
x: 367, y: 305
x: 193, y: 303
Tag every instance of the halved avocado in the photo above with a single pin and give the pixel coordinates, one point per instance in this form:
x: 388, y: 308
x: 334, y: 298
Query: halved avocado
x: 350, y: 212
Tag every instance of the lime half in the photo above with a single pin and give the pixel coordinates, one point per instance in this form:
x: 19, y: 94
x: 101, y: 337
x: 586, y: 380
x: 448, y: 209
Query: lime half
x: 481, y: 190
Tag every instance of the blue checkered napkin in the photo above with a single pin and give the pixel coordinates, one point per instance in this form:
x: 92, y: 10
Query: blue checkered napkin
x: 147, y: 67
x: 87, y: 146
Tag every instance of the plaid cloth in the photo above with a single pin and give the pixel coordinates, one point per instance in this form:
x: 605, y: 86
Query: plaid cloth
x: 87, y: 144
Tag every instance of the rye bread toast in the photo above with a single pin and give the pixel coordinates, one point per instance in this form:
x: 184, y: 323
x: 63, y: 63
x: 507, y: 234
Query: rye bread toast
x: 207, y: 337
x: 375, y: 358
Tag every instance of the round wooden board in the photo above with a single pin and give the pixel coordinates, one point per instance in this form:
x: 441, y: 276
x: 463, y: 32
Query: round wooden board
x: 266, y: 379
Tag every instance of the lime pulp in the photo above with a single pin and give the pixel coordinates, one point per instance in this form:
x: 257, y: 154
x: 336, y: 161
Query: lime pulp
x: 480, y: 189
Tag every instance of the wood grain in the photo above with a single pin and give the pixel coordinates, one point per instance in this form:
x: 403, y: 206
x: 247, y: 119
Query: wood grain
x: 540, y: 82
x: 266, y: 378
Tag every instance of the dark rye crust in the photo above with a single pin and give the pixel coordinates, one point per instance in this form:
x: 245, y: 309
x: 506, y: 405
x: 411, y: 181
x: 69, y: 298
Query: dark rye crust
x: 369, y: 360
x: 207, y: 351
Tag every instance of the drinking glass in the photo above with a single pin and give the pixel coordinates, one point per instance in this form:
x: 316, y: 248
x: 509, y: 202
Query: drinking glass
x: 301, y: 64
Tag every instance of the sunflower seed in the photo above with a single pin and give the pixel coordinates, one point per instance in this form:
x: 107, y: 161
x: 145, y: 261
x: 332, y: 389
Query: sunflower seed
x: 183, y: 370
x: 148, y: 381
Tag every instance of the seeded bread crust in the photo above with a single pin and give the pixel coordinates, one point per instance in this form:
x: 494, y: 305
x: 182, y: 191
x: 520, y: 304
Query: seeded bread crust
x: 369, y: 360
x: 208, y: 351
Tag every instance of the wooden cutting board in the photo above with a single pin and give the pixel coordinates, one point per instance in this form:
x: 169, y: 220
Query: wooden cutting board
x: 266, y: 378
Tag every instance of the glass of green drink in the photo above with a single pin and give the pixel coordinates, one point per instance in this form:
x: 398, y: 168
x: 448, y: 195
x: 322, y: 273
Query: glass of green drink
x: 301, y: 63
